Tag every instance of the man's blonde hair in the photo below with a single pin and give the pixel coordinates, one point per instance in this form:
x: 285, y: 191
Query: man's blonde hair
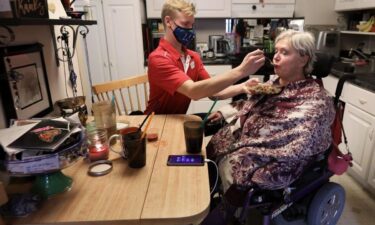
x: 170, y: 8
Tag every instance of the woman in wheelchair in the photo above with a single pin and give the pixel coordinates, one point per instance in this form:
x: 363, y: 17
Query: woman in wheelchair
x: 272, y: 137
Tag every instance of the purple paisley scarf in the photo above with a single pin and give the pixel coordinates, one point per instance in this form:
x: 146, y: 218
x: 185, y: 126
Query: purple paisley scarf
x: 279, y: 135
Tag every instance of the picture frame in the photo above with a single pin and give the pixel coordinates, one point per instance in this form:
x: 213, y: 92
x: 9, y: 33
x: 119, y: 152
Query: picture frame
x: 24, y: 85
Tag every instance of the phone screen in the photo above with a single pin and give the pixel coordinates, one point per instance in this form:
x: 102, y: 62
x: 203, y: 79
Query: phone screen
x: 185, y: 160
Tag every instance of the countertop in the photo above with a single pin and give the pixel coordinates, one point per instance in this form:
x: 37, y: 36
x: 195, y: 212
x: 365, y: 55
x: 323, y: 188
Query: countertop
x: 363, y: 80
x: 217, y: 61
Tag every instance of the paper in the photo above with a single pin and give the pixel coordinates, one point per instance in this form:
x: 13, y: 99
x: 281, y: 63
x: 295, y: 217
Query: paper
x: 258, y: 31
x: 9, y: 135
x: 35, y: 164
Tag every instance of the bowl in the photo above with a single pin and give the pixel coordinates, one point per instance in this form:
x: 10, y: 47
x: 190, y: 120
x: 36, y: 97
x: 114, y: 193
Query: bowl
x: 75, y: 14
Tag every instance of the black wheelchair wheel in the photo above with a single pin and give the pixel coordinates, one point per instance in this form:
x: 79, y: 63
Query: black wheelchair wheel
x: 327, y: 205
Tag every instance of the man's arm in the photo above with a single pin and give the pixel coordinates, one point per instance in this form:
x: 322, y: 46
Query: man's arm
x: 209, y: 87
x: 235, y: 90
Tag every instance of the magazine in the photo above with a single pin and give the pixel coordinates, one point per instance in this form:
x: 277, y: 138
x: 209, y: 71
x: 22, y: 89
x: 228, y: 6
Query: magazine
x: 46, y: 135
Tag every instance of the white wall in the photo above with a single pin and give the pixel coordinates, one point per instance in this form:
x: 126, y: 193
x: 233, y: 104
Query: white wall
x: 316, y: 12
x: 206, y: 27
x: 56, y: 75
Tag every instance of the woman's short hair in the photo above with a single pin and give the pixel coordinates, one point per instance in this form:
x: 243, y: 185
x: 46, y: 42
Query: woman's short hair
x: 304, y: 43
x: 171, y: 6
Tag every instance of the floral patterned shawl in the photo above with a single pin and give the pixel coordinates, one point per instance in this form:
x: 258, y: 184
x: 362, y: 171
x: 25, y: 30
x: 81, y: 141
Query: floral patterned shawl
x: 278, y: 136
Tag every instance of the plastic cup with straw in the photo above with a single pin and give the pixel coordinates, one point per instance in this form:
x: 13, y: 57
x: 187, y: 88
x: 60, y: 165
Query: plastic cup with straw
x: 208, y: 113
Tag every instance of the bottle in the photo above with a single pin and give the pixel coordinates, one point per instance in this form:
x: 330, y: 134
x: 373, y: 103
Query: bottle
x: 88, y: 10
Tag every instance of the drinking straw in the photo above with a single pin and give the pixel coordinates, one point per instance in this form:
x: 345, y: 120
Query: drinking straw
x: 143, y: 122
x: 147, y: 125
x: 208, y: 113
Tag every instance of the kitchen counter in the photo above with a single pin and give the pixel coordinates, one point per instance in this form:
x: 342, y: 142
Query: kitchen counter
x: 217, y: 61
x: 365, y: 81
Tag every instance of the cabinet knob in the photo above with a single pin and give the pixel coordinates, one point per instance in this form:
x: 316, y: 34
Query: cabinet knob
x: 362, y: 102
x: 254, y: 7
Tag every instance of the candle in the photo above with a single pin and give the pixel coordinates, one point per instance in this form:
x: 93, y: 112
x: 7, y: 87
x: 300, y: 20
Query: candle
x: 98, y: 152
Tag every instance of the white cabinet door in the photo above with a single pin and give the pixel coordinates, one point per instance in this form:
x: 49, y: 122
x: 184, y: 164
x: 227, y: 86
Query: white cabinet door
x: 124, y: 37
x: 270, y: 9
x: 346, y: 5
x: 205, y: 8
x: 96, y: 43
x: 359, y: 128
x: 371, y: 176
x: 153, y: 8
x: 213, y: 8
x: 368, y: 4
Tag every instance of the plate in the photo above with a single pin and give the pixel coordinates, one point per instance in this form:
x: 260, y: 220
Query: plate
x: 122, y: 125
x: 265, y: 89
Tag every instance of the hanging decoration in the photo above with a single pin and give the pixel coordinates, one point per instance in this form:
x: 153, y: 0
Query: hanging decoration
x: 66, y: 51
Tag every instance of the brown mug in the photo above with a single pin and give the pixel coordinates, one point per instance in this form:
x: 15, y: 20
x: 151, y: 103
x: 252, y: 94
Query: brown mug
x: 133, y: 146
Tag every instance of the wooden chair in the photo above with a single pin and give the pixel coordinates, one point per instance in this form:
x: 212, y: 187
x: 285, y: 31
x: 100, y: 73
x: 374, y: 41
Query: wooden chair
x: 126, y: 93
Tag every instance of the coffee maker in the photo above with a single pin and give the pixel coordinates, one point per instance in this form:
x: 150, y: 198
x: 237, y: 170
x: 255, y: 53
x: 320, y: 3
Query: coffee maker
x: 213, y: 45
x: 222, y: 48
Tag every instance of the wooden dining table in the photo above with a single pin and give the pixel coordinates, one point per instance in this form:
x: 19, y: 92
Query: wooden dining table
x: 154, y: 194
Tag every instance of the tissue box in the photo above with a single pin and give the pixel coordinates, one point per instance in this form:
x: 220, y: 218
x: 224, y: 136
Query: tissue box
x: 29, y: 8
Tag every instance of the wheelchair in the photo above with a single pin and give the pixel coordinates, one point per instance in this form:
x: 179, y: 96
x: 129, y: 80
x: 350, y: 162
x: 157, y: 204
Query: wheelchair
x: 312, y: 199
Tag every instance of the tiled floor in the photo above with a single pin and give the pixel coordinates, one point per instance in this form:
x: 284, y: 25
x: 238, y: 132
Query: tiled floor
x: 359, y: 207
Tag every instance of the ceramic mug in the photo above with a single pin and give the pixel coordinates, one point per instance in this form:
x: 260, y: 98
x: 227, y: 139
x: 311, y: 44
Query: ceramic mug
x: 133, y: 146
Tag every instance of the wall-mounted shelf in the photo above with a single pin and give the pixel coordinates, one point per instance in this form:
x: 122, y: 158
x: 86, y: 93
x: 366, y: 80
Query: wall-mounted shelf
x: 357, y: 32
x: 43, y: 21
x: 80, y: 27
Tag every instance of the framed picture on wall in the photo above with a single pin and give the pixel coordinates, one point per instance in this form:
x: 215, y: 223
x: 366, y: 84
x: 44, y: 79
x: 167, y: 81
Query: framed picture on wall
x: 24, y: 84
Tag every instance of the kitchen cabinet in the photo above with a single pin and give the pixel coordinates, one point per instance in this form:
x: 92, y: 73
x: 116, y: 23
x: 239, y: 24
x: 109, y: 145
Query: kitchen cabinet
x: 347, y: 5
x: 269, y: 9
x: 359, y: 125
x: 204, y: 8
x: 204, y: 104
x: 116, y: 44
x: 371, y: 176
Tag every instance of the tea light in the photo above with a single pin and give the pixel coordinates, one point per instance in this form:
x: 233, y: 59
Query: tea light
x: 98, y: 152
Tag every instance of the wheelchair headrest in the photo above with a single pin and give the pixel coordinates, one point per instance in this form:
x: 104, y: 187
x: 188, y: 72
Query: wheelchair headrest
x: 322, y: 65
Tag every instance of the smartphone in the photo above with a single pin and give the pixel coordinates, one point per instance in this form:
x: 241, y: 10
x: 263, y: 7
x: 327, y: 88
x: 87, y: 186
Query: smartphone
x: 185, y: 160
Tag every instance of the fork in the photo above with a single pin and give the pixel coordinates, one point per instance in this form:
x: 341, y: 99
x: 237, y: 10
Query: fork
x: 269, y: 60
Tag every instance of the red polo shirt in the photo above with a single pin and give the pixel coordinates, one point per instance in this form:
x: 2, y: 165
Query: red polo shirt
x: 166, y: 74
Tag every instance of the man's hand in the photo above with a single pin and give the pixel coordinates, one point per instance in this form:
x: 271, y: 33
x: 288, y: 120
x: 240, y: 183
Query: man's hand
x: 214, y: 117
x: 251, y: 63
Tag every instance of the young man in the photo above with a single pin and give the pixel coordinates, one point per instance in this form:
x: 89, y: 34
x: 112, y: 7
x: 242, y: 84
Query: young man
x: 177, y: 75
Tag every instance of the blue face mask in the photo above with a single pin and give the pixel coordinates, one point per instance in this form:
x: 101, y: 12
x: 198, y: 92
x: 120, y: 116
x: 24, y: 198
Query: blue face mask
x: 184, y: 35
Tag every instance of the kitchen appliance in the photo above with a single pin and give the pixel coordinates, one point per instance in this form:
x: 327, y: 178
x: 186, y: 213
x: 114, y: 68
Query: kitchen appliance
x: 328, y: 42
x: 213, y: 43
x: 222, y: 48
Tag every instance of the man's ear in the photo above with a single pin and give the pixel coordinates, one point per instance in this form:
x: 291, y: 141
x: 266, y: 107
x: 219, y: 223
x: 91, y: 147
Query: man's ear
x: 167, y: 21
